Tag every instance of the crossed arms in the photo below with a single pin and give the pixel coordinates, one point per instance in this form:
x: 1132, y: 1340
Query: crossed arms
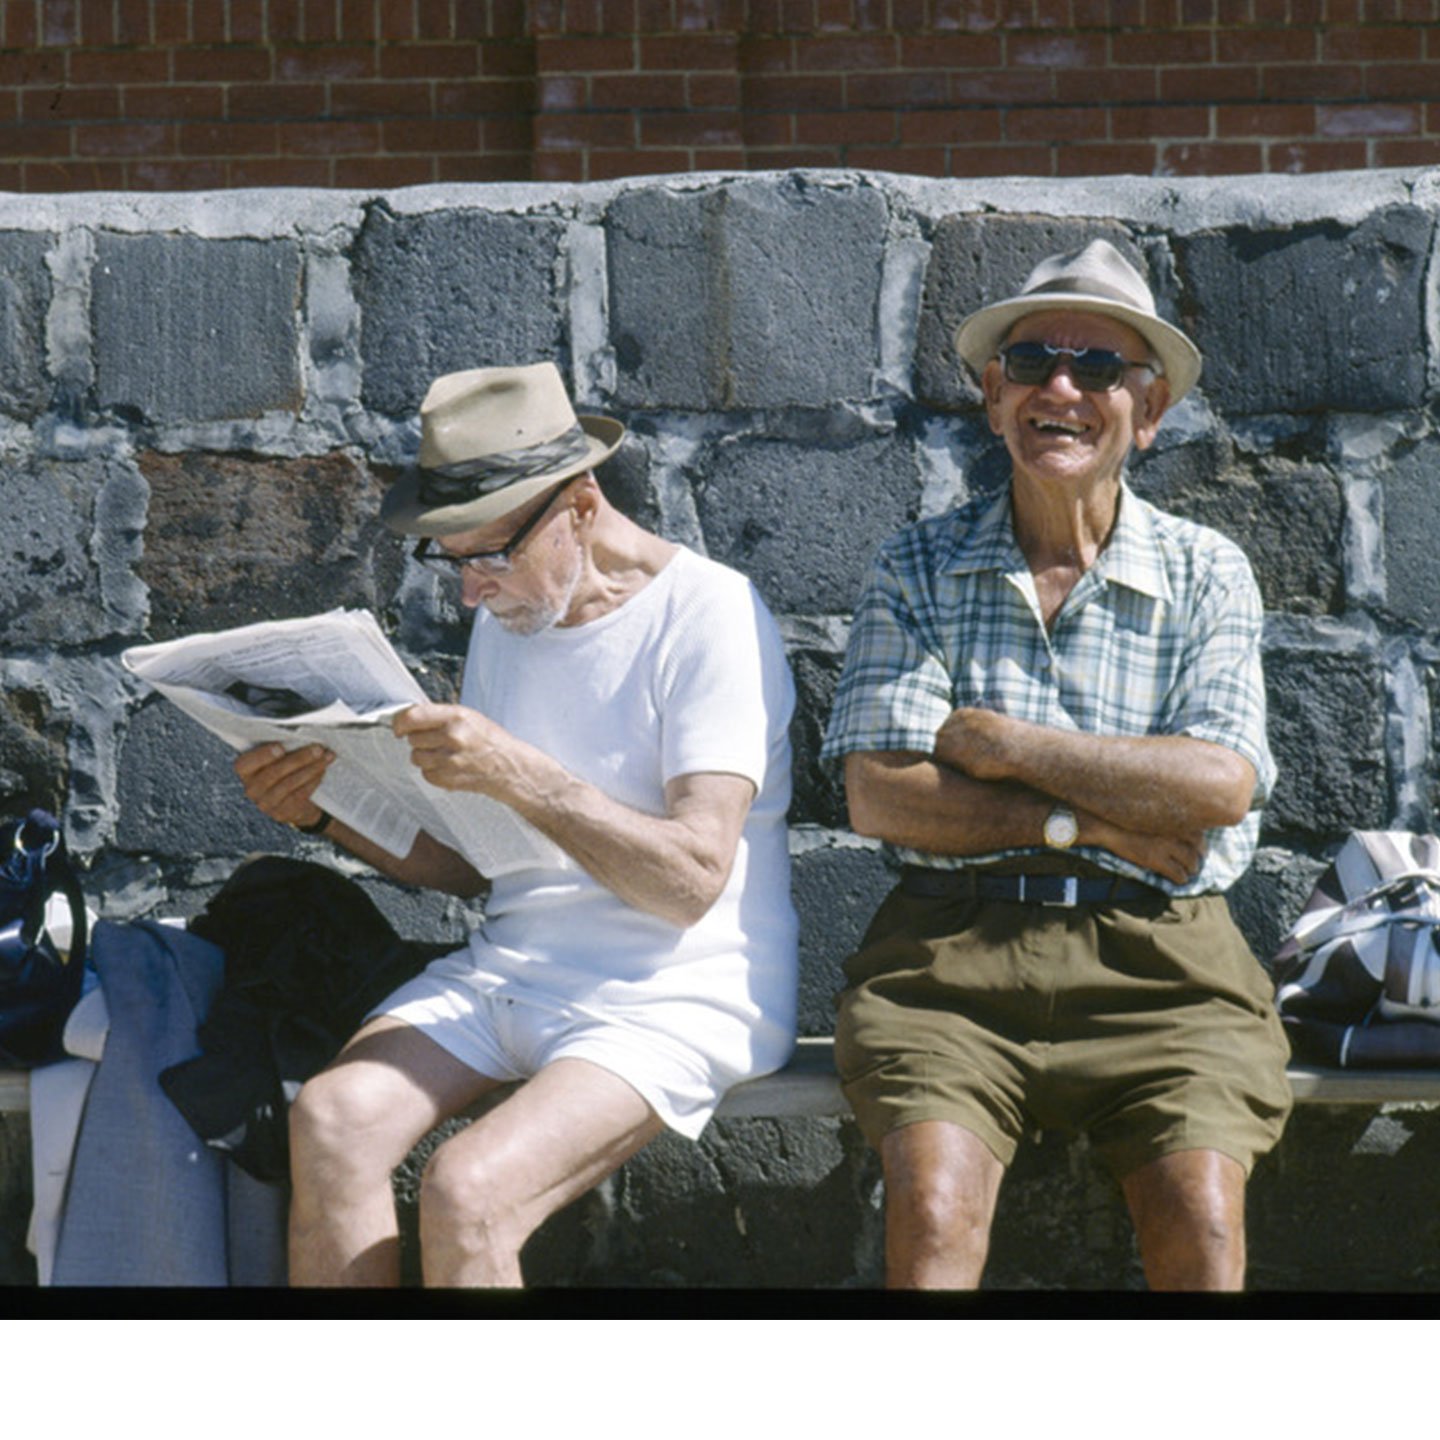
x: 991, y: 780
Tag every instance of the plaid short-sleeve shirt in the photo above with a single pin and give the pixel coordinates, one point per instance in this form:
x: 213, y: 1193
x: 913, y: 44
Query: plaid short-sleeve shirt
x: 1161, y: 636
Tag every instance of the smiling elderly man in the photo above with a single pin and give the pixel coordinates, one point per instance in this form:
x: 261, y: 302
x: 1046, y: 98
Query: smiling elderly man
x: 631, y: 700
x: 1052, y: 711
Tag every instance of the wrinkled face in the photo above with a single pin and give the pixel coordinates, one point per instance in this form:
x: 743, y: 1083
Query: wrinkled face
x: 1058, y: 433
x: 545, y: 569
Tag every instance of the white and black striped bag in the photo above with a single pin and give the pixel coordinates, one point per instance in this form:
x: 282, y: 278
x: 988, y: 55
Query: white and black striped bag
x: 1358, y: 975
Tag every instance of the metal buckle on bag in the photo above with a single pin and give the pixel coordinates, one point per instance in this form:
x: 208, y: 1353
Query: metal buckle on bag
x: 1070, y: 890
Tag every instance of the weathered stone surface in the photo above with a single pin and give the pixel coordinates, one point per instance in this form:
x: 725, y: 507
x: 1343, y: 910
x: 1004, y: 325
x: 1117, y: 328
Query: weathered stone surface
x: 1267, y: 900
x: 750, y: 331
x: 629, y: 486
x: 750, y: 294
x: 452, y: 291
x: 804, y: 523
x: 234, y: 540
x: 1314, y: 316
x: 1347, y: 1203
x: 818, y: 797
x: 24, y: 295
x: 17, y: 1265
x: 33, y: 764
x: 1288, y: 518
x: 179, y: 795
x: 192, y: 329
x: 837, y: 891
x: 976, y: 260
x: 1411, y: 505
x: 63, y: 567
x: 1326, y: 721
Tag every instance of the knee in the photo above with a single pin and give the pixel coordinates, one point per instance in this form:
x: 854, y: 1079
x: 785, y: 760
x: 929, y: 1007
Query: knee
x: 934, y: 1206
x: 465, y: 1200
x: 329, y: 1119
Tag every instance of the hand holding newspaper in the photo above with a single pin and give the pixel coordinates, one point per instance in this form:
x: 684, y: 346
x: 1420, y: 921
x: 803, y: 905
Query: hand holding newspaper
x: 335, y: 680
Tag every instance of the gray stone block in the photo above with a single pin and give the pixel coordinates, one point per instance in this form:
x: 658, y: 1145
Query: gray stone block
x: 1327, y: 726
x: 629, y: 485
x: 1267, y: 900
x: 179, y: 795
x: 192, y: 329
x: 1333, y: 1210
x: 1288, y: 517
x: 34, y: 767
x: 804, y: 522
x: 818, y: 796
x: 65, y: 568
x: 976, y: 260
x: 453, y: 291
x: 1411, y: 503
x: 837, y: 890
x: 1314, y: 316
x: 233, y: 540
x: 750, y: 294
x: 24, y: 297
x: 17, y: 1265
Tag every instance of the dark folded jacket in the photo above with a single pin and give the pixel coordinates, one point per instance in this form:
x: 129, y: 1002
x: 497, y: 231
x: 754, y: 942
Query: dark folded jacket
x: 307, y: 956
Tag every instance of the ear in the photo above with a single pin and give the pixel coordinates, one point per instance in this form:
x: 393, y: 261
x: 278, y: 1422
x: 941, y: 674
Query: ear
x: 1154, y: 402
x: 990, y: 382
x: 588, y: 497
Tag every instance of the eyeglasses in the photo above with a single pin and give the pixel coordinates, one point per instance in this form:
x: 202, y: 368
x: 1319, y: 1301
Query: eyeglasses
x: 1029, y: 362
x: 487, y: 562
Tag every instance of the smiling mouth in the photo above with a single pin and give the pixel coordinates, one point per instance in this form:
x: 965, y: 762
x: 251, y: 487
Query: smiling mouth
x: 1058, y: 427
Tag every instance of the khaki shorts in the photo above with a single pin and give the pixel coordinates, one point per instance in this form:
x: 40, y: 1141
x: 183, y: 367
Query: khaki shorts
x: 1149, y: 1026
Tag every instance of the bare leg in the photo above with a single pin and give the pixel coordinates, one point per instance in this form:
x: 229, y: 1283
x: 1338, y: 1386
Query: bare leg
x: 349, y: 1128
x: 941, y: 1183
x: 1189, y: 1214
x: 487, y: 1189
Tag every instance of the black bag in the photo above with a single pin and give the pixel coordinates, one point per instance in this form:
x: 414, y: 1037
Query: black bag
x: 38, y: 984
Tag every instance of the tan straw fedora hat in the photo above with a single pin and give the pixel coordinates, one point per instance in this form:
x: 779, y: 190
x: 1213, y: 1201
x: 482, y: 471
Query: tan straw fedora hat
x: 489, y: 441
x: 1099, y: 279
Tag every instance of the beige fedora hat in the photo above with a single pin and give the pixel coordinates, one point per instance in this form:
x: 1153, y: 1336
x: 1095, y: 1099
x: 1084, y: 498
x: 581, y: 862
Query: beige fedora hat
x: 489, y: 441
x: 1099, y: 279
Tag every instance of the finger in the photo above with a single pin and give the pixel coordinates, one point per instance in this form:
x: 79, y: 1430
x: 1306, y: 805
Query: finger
x: 288, y: 780
x: 421, y: 716
x: 251, y: 762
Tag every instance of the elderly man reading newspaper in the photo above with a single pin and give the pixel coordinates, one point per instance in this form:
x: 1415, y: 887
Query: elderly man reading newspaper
x: 631, y: 701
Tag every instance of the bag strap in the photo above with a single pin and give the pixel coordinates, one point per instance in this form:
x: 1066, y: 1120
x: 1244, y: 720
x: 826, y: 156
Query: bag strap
x: 1355, y: 917
x: 42, y: 842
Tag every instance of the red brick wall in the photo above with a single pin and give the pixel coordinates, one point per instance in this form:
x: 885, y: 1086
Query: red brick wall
x: 185, y: 94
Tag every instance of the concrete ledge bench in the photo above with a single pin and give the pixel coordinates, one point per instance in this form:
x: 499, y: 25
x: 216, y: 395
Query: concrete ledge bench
x: 808, y: 1087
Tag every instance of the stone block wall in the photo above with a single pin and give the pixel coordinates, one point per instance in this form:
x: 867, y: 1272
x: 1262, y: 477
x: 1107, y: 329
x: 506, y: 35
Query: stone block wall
x: 202, y: 397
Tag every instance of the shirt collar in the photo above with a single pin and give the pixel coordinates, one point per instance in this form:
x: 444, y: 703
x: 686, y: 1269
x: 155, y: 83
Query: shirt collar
x: 1132, y: 558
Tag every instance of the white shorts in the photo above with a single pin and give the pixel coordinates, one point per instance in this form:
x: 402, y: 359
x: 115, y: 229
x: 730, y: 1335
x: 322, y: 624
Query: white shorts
x: 509, y: 1039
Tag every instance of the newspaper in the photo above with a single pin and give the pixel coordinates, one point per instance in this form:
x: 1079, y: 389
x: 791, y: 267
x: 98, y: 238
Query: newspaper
x: 335, y: 680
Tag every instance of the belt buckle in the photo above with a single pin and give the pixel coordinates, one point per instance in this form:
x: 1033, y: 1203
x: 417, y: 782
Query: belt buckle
x: 1070, y: 897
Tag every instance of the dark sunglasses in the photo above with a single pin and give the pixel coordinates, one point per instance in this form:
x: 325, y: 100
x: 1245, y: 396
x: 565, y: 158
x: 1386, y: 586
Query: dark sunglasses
x: 487, y: 562
x: 1029, y: 362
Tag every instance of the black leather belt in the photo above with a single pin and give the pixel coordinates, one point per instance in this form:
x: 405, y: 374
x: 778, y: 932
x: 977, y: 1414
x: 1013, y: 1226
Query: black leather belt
x: 1067, y: 891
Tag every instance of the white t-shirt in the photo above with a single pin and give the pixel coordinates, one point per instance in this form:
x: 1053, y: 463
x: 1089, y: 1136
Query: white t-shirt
x: 689, y: 675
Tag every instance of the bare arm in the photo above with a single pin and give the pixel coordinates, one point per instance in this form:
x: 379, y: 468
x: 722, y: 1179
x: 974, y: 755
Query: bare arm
x: 673, y: 865
x: 1158, y: 784
x: 910, y: 799
x: 280, y: 783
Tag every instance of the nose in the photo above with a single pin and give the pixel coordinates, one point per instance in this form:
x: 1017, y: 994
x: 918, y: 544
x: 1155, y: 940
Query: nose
x: 1062, y: 380
x: 476, y: 588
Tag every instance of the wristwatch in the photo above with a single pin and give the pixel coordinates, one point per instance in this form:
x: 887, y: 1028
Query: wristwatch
x: 1061, y: 828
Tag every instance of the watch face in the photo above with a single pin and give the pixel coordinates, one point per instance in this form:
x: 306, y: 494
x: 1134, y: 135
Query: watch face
x: 1061, y: 829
